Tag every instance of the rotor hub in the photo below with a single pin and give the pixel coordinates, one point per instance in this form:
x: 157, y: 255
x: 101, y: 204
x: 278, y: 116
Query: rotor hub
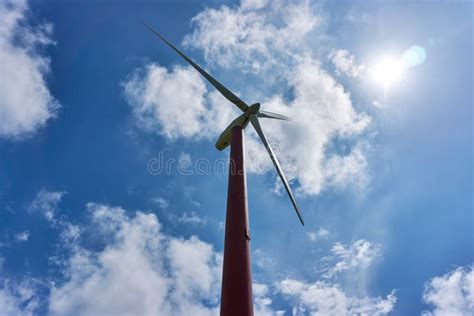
x: 252, y: 110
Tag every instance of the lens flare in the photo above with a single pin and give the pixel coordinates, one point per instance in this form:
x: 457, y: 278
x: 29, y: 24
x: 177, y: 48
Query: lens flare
x: 414, y: 56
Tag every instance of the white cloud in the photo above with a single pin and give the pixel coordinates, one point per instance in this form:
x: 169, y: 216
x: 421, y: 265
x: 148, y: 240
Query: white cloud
x: 195, y: 204
x: 170, y: 102
x: 327, y: 297
x: 141, y: 271
x: 357, y: 17
x: 321, y: 233
x: 175, y: 103
x: 255, y: 35
x: 321, y: 298
x: 192, y: 217
x: 253, y: 4
x: 46, y: 202
x: 345, y: 63
x: 263, y: 260
x: 23, y: 236
x: 26, y: 103
x: 377, y: 103
x: 272, y: 43
x: 262, y: 302
x: 201, y: 279
x: 11, y: 240
x: 321, y: 111
x: 359, y: 255
x: 17, y: 299
x: 161, y: 202
x: 451, y: 294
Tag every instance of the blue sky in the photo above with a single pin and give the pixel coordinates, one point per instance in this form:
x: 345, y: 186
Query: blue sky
x: 379, y: 154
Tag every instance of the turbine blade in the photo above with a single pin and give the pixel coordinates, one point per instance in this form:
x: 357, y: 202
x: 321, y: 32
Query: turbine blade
x: 258, y: 128
x: 223, y: 90
x: 272, y: 115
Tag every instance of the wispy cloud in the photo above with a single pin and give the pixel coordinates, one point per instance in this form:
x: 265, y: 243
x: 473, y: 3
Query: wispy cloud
x: 321, y: 233
x: 321, y: 298
x: 23, y: 236
x: 9, y: 240
x: 161, y: 202
x: 346, y: 64
x: 46, y: 203
x: 359, y: 255
x: 191, y: 218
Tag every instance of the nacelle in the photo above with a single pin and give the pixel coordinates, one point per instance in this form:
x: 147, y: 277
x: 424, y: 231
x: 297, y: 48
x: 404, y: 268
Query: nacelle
x: 224, y: 139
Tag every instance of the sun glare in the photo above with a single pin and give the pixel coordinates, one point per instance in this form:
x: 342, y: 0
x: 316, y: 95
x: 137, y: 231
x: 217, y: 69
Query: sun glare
x: 387, y: 71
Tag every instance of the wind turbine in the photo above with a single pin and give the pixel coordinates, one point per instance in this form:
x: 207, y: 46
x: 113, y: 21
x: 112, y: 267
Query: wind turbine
x: 236, y: 295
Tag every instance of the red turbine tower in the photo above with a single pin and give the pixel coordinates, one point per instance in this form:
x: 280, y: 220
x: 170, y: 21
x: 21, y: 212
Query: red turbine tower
x: 236, y: 295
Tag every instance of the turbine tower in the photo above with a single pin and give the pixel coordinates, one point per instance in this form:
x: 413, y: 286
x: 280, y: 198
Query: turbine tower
x: 236, y: 294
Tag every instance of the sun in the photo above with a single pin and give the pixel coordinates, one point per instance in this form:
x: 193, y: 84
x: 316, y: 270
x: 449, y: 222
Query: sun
x: 387, y: 71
